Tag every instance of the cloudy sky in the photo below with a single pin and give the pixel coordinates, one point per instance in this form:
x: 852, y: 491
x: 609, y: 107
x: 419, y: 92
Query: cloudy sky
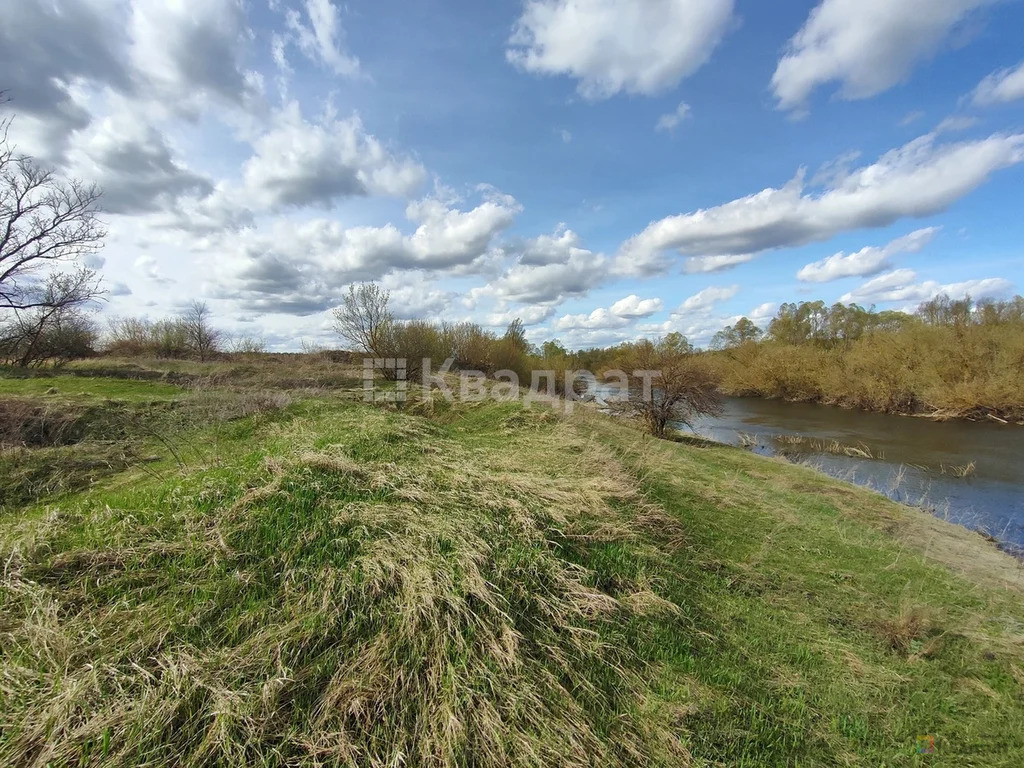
x: 602, y: 169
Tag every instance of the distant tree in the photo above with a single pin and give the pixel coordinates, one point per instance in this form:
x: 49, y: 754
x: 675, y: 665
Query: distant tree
x: 553, y: 348
x: 684, y: 387
x: 515, y: 335
x: 248, y: 345
x: 734, y: 335
x: 363, y: 319
x: 201, y: 337
x: 942, y: 310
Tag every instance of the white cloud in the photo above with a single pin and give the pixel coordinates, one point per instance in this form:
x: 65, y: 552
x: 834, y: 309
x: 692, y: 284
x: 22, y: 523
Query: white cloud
x: 556, y: 248
x: 299, y: 163
x: 187, y: 53
x: 300, y: 267
x: 1002, y: 86
x: 918, y: 179
x: 598, y: 319
x: 867, y: 261
x: 133, y: 164
x: 633, y: 306
x: 762, y: 314
x: 669, y: 122
x: 530, y: 315
x: 707, y: 298
x: 899, y: 286
x: 416, y: 300
x: 613, y: 46
x: 546, y: 283
x: 149, y: 267
x: 323, y: 39
x: 696, y: 265
x: 565, y: 136
x: 867, y: 46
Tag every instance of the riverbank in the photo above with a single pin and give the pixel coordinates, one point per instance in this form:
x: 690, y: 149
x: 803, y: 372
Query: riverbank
x: 289, y: 576
x: 979, y: 414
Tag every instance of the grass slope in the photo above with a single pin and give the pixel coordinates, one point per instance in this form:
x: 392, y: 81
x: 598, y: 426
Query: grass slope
x: 331, y: 583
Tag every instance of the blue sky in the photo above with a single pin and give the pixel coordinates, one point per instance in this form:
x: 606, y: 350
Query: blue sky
x: 604, y: 169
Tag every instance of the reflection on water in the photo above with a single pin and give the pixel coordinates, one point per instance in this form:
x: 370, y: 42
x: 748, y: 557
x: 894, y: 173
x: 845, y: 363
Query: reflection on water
x: 912, y: 460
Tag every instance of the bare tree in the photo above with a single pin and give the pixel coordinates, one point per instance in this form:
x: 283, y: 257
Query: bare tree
x: 45, y: 330
x: 363, y: 319
x: 668, y: 383
x: 201, y: 337
x: 43, y: 220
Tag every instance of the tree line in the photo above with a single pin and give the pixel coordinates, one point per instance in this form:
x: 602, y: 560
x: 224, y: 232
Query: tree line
x: 951, y: 358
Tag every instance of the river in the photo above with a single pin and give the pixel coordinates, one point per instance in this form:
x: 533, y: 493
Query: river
x: 968, y: 473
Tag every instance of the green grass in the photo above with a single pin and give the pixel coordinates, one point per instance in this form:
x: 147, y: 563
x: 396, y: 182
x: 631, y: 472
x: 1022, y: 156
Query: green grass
x: 332, y: 583
x: 78, y: 388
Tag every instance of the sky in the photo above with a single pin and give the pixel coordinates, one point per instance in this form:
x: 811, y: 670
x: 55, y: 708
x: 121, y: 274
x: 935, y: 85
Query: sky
x: 602, y: 169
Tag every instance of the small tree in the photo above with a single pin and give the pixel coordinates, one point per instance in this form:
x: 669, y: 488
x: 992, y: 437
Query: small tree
x: 30, y: 334
x: 363, y: 319
x: 668, y: 383
x: 200, y: 336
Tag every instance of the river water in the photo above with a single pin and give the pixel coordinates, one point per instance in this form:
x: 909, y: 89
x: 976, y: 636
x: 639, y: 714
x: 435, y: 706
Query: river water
x: 912, y: 460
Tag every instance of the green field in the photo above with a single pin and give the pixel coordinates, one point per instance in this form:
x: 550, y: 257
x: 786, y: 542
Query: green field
x: 277, y: 576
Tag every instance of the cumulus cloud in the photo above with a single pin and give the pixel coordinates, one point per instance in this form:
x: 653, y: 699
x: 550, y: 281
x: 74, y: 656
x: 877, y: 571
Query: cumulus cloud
x: 415, y: 301
x: 531, y: 315
x: 867, y: 261
x: 46, y: 49
x: 322, y: 38
x: 598, y: 319
x: 704, y: 300
x: 867, y: 46
x: 668, y: 122
x: 301, y: 267
x: 919, y: 179
x: 556, y: 248
x: 900, y: 286
x: 188, y: 53
x: 547, y: 283
x: 1002, y: 86
x: 62, y: 60
x: 618, y: 46
x: 299, y: 163
x: 133, y: 164
x: 633, y: 306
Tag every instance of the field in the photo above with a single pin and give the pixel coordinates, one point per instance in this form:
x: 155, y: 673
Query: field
x: 245, y: 565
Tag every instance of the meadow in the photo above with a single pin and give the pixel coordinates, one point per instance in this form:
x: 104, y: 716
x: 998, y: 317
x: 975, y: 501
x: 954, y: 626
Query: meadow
x: 242, y: 563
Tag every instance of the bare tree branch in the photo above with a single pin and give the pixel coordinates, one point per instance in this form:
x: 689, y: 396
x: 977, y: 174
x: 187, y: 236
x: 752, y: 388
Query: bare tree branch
x: 44, y: 220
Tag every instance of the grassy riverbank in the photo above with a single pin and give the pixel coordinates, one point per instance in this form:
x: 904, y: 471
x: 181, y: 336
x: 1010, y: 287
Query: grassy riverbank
x: 256, y: 571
